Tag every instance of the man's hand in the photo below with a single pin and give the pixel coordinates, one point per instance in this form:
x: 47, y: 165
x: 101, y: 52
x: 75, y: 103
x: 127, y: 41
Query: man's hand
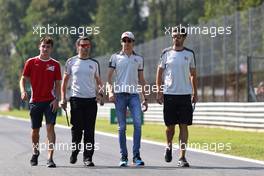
x: 145, y: 106
x: 111, y: 97
x: 194, y: 98
x: 100, y: 99
x: 54, y: 105
x: 24, y: 96
x: 63, y: 104
x: 159, y: 97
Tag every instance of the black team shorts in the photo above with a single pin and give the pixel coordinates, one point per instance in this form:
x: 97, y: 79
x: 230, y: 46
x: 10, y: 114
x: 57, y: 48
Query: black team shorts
x: 177, y: 109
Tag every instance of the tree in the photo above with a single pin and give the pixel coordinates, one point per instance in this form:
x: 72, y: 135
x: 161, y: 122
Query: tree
x: 139, y: 22
x: 169, y: 13
x: 113, y: 19
x: 10, y: 30
x: 18, y: 41
x: 59, y: 13
x: 154, y: 21
x: 215, y: 8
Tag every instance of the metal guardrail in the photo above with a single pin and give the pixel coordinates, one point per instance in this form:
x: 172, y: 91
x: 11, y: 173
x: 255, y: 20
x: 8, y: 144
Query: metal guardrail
x: 236, y: 115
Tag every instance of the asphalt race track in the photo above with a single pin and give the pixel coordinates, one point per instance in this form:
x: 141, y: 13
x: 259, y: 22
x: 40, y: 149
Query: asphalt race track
x: 16, y: 152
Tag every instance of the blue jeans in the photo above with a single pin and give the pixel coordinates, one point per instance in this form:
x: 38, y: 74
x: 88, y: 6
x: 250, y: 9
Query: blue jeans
x: 132, y: 101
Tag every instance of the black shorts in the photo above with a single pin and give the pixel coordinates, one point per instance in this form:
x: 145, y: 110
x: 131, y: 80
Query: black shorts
x: 37, y: 109
x: 177, y: 109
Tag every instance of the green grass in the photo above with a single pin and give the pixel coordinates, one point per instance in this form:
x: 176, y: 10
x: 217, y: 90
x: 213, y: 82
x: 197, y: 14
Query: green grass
x: 238, y: 143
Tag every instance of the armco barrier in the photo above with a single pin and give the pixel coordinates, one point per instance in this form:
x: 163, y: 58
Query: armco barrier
x: 240, y: 115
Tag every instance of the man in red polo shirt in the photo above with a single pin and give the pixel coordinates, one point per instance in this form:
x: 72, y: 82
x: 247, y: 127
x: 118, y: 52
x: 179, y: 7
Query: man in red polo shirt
x: 44, y: 75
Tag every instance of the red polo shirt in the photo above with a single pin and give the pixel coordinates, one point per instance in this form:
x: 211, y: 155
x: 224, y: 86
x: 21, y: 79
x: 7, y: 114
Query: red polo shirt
x: 42, y: 74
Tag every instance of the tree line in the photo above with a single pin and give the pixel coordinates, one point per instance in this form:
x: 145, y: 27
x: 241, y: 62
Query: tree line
x: 145, y: 18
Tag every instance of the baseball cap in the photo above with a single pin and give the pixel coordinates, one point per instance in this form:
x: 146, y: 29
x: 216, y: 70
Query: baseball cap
x: 128, y: 34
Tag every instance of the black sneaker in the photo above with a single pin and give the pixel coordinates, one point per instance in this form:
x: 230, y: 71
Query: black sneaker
x: 123, y: 161
x: 168, y: 155
x: 88, y: 162
x: 73, y: 158
x: 137, y: 161
x: 183, y: 162
x: 50, y: 163
x: 34, y: 159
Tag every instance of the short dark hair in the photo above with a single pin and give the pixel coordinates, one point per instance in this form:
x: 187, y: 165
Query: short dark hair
x: 82, y: 38
x: 180, y: 29
x: 46, y: 40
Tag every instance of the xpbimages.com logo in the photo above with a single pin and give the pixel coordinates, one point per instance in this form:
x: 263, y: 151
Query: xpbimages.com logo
x: 65, y: 146
x: 213, y: 31
x: 64, y: 30
x: 214, y: 146
x: 147, y: 89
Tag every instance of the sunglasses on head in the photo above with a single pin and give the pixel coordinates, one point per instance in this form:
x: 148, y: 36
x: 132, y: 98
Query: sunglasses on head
x: 85, y: 45
x: 124, y: 40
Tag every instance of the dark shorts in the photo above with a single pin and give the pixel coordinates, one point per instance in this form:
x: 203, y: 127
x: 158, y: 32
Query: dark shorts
x: 37, y: 109
x: 177, y: 110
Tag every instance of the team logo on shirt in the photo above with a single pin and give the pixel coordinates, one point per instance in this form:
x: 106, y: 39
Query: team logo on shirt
x: 91, y: 67
x: 135, y: 60
x: 50, y: 68
x: 186, y: 58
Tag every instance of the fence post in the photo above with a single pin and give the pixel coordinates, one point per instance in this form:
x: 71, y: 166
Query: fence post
x: 212, y: 65
x: 201, y: 66
x: 224, y: 56
x: 237, y: 55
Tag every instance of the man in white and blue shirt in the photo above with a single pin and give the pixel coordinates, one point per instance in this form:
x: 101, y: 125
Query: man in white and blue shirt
x: 128, y: 67
x: 177, y: 88
x: 85, y: 75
